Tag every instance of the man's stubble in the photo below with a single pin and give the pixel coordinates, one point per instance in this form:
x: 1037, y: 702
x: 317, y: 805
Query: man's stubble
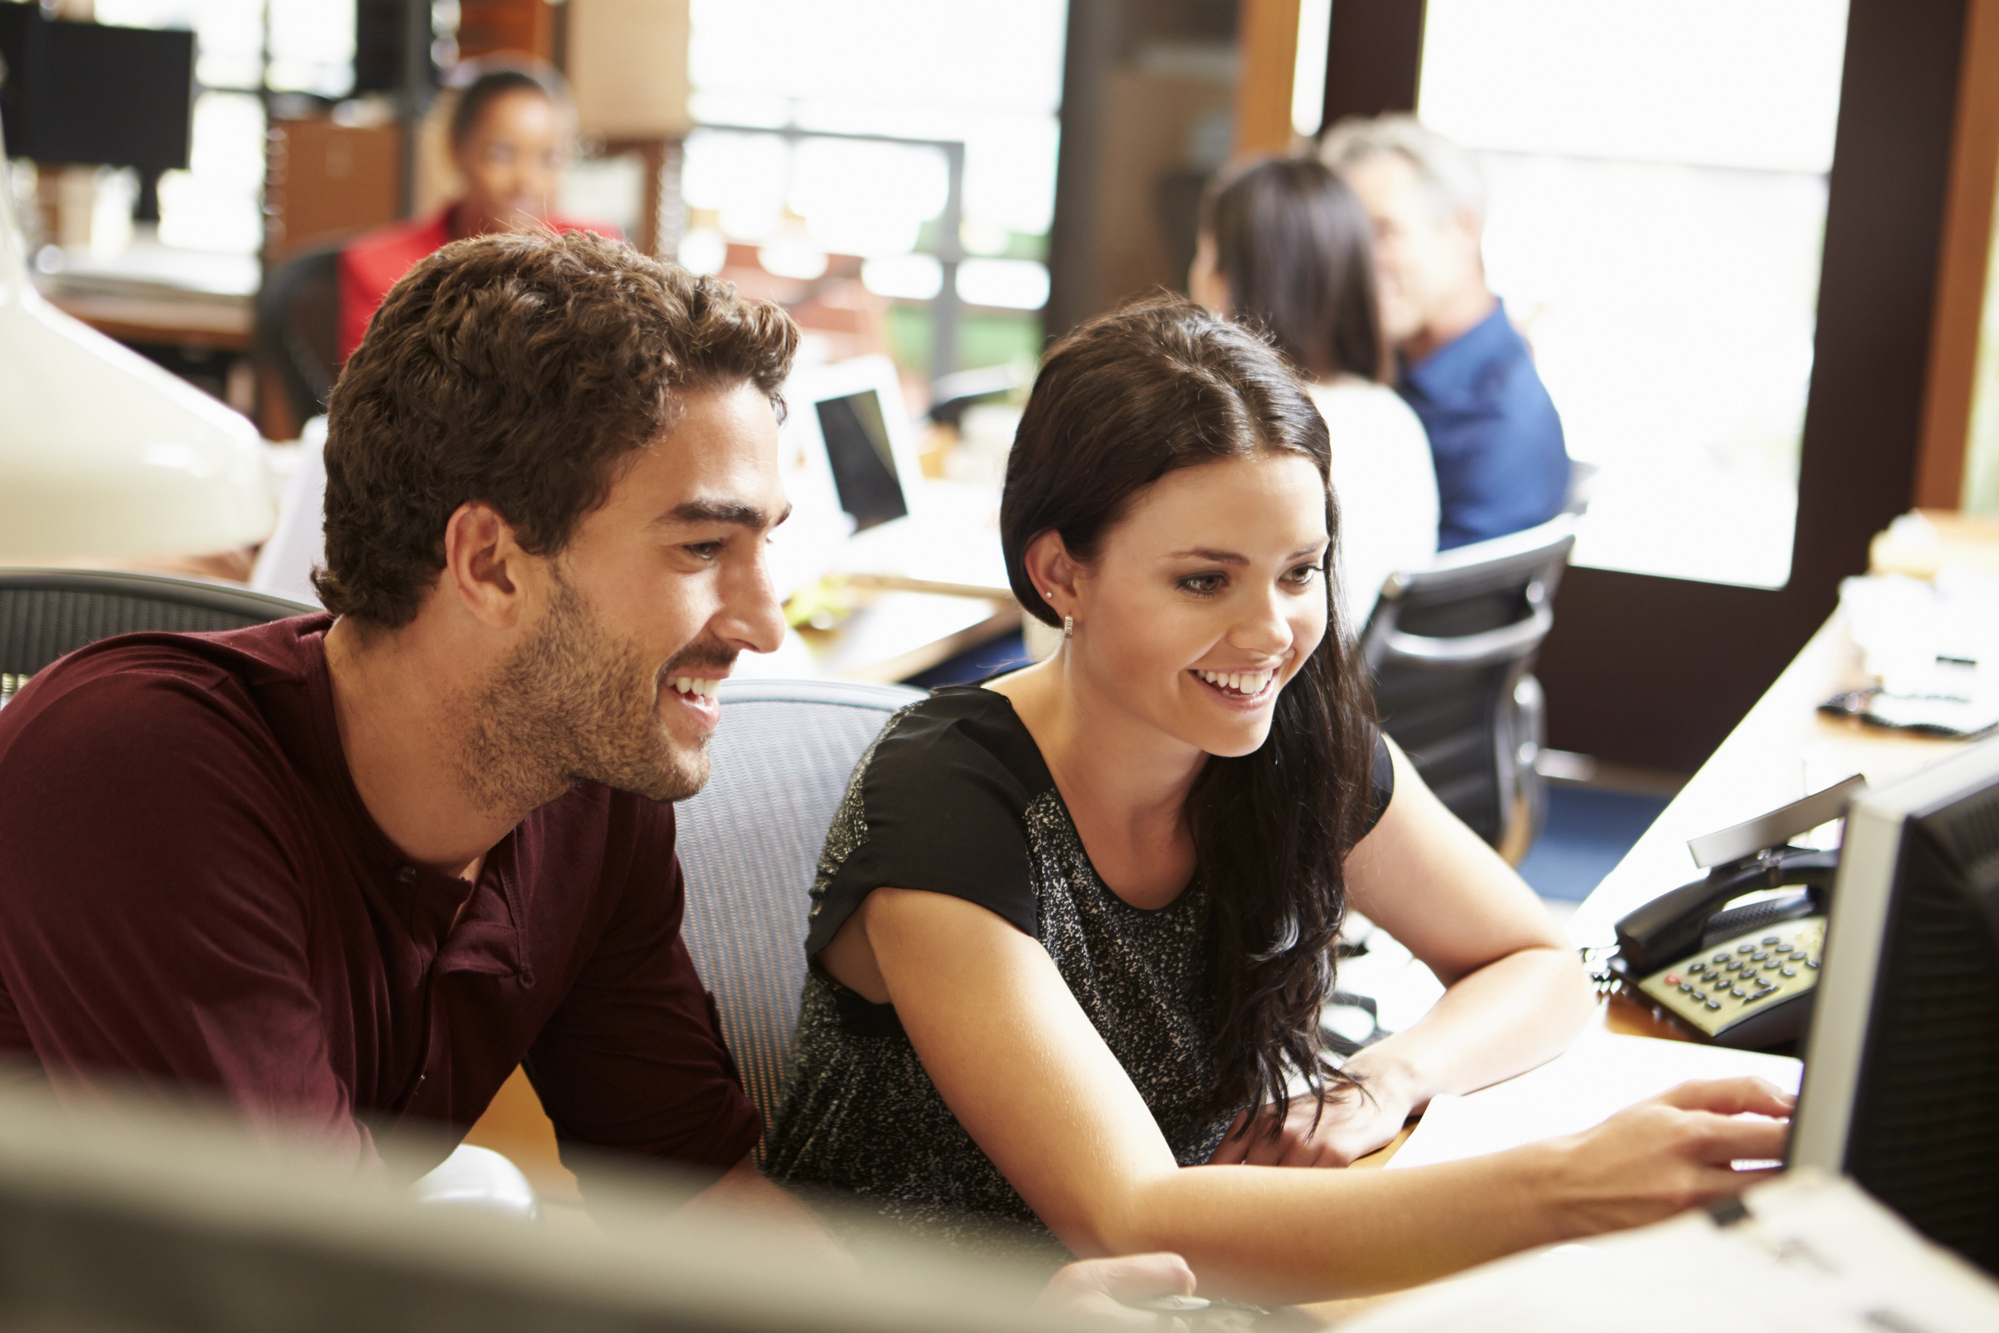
x: 576, y: 703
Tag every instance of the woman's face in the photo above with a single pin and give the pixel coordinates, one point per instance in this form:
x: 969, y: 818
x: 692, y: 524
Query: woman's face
x: 1207, y: 598
x: 511, y: 161
x: 1205, y: 283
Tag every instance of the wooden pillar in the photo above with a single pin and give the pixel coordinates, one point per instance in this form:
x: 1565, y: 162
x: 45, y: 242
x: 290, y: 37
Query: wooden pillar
x: 1962, y: 267
x: 1374, y: 57
x: 1266, y: 56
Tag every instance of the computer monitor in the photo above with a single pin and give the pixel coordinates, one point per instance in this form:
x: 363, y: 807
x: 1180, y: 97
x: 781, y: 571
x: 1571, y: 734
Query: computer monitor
x: 95, y: 94
x: 1901, y: 1086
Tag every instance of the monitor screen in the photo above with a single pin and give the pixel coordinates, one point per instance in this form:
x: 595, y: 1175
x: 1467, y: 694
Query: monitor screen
x: 1901, y: 1086
x: 857, y: 447
x: 95, y: 94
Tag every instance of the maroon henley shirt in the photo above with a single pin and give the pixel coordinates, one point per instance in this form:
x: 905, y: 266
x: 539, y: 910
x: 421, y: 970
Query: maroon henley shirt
x: 191, y: 892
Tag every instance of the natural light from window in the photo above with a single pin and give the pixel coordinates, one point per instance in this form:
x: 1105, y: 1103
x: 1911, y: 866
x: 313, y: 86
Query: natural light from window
x: 1657, y: 179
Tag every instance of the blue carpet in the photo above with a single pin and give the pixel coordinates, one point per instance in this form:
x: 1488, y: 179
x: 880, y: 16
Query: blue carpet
x: 1588, y: 832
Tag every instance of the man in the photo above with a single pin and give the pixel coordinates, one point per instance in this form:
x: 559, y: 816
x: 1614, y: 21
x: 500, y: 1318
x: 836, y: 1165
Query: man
x: 1494, y: 434
x: 349, y: 870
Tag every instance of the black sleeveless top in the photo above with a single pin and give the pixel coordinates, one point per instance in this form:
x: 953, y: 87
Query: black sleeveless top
x: 953, y: 797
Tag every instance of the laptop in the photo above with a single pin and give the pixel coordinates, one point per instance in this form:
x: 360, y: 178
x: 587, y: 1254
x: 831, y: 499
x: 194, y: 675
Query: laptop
x: 850, y: 459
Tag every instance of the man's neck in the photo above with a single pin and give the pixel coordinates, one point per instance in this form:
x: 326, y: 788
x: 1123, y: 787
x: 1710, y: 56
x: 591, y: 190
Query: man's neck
x: 393, y: 707
x: 1456, y: 317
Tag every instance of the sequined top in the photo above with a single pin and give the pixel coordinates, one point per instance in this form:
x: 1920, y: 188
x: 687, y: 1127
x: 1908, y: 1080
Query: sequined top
x: 954, y: 797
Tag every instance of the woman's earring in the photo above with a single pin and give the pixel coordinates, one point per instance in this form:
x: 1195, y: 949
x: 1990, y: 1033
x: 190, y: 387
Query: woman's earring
x: 1068, y: 627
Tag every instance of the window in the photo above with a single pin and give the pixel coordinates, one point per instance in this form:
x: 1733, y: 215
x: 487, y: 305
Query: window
x: 987, y: 73
x: 1657, y: 194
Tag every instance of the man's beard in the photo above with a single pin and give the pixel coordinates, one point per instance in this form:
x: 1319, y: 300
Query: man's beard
x: 576, y: 703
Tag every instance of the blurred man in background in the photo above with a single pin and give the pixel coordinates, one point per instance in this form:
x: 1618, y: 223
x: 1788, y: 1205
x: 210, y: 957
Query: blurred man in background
x: 1494, y: 433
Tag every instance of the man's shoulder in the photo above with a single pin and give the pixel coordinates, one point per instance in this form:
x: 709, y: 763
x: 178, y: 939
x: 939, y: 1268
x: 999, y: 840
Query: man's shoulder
x: 138, y: 693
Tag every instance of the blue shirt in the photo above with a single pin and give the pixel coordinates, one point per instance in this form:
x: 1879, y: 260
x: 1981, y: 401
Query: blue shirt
x: 1494, y: 434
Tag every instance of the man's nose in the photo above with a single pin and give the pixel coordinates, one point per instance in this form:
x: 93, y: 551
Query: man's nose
x: 751, y: 616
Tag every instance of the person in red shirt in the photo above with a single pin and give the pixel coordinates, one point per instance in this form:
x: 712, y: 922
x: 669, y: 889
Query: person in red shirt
x: 510, y: 133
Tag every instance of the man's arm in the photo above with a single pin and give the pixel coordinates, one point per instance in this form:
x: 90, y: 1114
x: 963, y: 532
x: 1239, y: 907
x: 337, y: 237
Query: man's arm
x: 633, y: 1060
x: 152, y: 925
x: 746, y: 1194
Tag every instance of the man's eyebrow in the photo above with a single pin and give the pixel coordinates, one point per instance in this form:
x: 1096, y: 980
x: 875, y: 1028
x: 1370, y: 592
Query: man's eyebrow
x: 721, y: 511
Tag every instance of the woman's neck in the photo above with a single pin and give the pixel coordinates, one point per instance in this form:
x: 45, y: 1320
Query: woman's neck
x: 1124, y: 781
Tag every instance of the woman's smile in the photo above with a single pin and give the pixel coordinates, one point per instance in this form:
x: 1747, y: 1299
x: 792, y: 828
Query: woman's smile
x: 1241, y: 687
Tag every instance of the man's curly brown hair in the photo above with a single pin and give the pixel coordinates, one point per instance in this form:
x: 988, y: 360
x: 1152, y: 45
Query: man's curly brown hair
x: 519, y: 370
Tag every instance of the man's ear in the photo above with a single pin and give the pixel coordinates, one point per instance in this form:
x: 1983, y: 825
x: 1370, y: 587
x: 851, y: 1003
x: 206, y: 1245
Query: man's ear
x: 484, y: 566
x: 1470, y: 228
x: 1053, y: 571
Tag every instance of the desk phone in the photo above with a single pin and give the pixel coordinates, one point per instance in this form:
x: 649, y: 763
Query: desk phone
x: 1740, y: 975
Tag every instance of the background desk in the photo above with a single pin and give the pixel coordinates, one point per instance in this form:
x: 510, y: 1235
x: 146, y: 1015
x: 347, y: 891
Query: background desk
x: 1782, y: 750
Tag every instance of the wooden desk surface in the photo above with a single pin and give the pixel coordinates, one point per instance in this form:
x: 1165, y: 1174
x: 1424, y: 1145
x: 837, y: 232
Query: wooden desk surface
x: 1782, y: 750
x: 195, y: 322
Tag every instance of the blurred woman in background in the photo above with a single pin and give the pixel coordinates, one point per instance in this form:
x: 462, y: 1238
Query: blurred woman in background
x: 1286, y: 245
x: 510, y: 138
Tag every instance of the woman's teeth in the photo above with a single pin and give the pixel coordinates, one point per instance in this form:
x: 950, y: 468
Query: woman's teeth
x: 1238, y: 682
x: 688, y: 685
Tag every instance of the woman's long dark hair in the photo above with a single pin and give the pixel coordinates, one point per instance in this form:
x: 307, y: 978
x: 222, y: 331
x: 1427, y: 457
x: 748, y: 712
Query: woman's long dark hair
x: 1297, y: 249
x: 1119, y: 403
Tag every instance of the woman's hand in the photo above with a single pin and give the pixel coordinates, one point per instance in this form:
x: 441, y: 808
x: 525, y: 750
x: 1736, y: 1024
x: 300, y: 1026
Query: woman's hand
x: 1098, y: 1289
x: 1661, y: 1156
x: 1354, y: 1123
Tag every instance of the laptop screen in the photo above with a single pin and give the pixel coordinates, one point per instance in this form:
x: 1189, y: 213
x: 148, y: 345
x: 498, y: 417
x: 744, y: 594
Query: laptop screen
x: 857, y: 446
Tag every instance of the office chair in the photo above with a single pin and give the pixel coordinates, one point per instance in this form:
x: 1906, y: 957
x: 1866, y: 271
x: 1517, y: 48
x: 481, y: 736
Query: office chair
x: 749, y: 846
x: 1583, y: 478
x: 1451, y: 649
x: 297, y: 334
x: 45, y: 613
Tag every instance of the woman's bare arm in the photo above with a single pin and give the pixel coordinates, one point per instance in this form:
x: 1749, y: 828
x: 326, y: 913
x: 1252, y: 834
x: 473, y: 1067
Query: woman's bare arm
x: 1516, y: 996
x: 1024, y: 1070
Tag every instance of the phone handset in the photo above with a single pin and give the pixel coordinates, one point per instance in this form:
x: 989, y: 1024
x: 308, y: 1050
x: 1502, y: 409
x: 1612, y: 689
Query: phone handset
x: 1741, y: 977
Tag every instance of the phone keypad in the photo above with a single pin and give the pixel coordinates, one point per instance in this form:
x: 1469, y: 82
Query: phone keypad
x: 1715, y: 990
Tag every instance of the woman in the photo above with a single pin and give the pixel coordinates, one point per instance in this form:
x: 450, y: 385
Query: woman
x: 1072, y: 929
x: 1286, y: 244
x: 510, y: 133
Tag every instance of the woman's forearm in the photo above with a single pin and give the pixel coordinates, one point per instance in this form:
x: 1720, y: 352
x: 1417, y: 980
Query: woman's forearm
x: 1278, y: 1236
x: 1501, y: 1020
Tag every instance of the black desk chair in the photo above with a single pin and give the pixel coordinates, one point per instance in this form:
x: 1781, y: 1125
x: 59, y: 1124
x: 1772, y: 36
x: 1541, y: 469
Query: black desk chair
x: 297, y: 334
x: 45, y: 613
x: 1452, y: 649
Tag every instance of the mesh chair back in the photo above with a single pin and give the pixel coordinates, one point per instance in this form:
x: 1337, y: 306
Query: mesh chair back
x: 298, y: 328
x: 45, y: 613
x: 1450, y: 648
x: 749, y: 845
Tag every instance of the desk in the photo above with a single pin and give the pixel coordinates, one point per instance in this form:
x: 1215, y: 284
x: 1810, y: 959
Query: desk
x: 221, y: 325
x: 1782, y: 750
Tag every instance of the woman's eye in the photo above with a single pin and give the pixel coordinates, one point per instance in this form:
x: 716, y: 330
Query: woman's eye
x: 1203, y: 585
x: 1303, y: 575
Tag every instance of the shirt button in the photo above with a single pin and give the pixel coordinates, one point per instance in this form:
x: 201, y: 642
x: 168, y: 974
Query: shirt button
x: 407, y: 874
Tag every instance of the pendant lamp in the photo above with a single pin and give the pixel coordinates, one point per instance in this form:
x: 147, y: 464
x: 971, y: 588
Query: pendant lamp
x: 102, y: 453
